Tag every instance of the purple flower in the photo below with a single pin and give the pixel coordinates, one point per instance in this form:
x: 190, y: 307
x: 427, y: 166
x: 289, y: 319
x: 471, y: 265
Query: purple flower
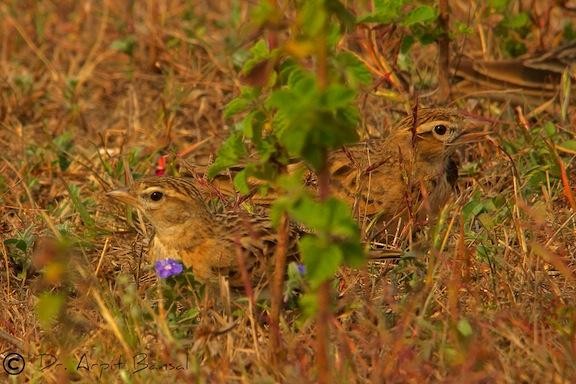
x: 301, y: 269
x: 168, y: 267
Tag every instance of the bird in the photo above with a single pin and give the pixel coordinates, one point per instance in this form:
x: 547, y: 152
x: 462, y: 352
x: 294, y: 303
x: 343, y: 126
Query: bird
x: 409, y: 174
x: 208, y: 242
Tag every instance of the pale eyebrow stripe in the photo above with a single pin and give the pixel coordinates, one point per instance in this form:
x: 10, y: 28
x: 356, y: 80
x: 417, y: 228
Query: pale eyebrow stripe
x: 183, y: 186
x: 152, y: 189
x: 427, y: 127
x: 186, y: 187
x: 437, y: 122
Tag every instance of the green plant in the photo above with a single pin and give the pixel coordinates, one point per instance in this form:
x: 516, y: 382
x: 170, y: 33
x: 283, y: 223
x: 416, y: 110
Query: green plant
x: 301, y: 105
x: 419, y: 19
x: 300, y: 112
x: 513, y: 27
x: 19, y: 248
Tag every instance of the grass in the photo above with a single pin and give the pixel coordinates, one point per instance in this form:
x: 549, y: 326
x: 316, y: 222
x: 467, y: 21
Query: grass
x: 94, y: 93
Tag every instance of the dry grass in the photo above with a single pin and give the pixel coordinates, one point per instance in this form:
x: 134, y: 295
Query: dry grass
x: 494, y: 302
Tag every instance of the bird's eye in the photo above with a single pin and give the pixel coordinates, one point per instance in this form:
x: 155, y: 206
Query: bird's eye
x: 156, y: 196
x: 440, y: 129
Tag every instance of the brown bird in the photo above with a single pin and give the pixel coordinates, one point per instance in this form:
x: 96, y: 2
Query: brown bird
x: 409, y: 174
x: 212, y: 244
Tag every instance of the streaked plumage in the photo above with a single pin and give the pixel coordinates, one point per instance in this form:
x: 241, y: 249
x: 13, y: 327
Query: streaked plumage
x: 389, y: 177
x: 408, y: 174
x: 208, y: 242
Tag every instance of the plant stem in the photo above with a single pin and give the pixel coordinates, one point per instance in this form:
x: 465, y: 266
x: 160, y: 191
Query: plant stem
x: 323, y: 333
x: 323, y: 294
x: 277, y: 284
x: 444, y: 51
x: 323, y: 318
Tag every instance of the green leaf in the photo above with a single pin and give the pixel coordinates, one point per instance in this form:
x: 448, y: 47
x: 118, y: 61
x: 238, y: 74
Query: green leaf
x: 79, y: 205
x: 308, y: 304
x: 428, y: 38
x: 230, y: 152
x: 321, y: 258
x: 303, y: 84
x: 514, y: 48
x: 294, y: 140
x: 464, y: 328
x: 309, y: 122
x: 252, y: 126
x: 473, y: 208
x: 487, y: 220
x: 280, y: 205
x: 63, y: 144
x: 18, y: 243
x: 386, y: 5
x: 499, y: 5
x: 235, y: 106
x: 332, y: 222
x: 331, y: 216
x: 407, y: 43
x: 569, y: 32
x: 422, y: 15
x: 355, y: 72
x: 125, y: 45
x: 354, y: 255
x: 463, y: 28
x: 265, y: 13
x: 241, y: 182
x: 48, y: 308
x: 549, y: 129
x: 248, y: 96
x: 346, y: 18
x: 568, y: 146
x: 385, y: 12
x: 19, y: 246
x: 517, y: 21
x: 258, y: 53
x: 313, y: 214
x: 313, y: 18
x: 338, y: 96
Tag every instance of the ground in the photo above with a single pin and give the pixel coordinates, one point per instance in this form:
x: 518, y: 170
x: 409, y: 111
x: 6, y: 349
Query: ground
x: 95, y: 93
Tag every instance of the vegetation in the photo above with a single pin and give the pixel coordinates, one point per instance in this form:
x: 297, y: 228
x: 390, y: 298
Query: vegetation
x: 95, y: 94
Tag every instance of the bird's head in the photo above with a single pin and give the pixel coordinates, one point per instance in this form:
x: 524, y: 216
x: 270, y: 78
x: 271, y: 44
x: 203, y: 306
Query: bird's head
x: 437, y: 132
x: 166, y: 201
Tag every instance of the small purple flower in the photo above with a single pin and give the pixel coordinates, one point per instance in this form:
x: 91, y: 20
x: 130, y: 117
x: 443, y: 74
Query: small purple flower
x: 168, y: 267
x: 301, y: 269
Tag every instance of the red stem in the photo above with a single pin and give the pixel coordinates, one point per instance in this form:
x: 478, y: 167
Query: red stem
x: 277, y: 284
x: 444, y: 51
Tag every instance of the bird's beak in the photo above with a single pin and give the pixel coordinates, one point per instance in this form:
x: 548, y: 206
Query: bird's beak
x: 124, y: 196
x: 473, y: 137
x: 473, y: 133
